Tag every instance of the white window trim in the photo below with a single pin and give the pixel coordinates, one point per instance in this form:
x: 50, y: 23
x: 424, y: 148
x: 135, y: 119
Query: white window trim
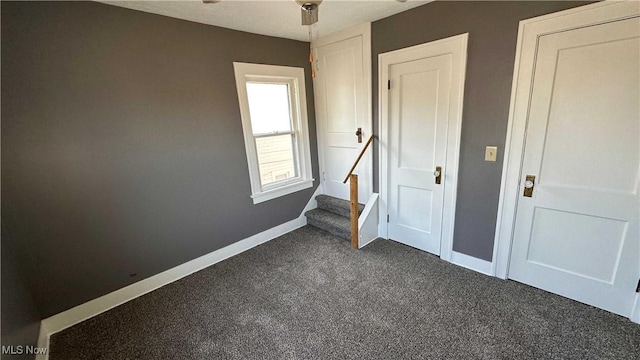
x: 295, y: 77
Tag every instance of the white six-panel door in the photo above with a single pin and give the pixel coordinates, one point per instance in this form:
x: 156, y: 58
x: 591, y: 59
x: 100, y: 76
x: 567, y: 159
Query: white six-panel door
x: 577, y: 235
x: 342, y: 106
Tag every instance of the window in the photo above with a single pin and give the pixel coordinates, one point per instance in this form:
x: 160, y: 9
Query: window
x: 273, y: 108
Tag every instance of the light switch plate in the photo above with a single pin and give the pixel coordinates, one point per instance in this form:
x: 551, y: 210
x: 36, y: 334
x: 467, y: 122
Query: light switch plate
x: 491, y: 153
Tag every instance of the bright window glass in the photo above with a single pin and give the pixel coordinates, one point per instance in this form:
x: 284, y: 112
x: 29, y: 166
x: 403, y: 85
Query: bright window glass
x: 269, y: 107
x: 272, y: 126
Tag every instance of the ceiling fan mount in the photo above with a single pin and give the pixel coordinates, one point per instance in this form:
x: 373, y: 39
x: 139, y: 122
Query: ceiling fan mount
x: 308, y: 9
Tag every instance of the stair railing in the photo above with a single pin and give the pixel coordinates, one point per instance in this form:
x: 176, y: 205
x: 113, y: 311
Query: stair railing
x: 353, y: 194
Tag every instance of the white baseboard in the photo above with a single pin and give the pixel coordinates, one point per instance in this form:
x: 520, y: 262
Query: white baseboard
x: 43, y: 341
x: 635, y: 312
x: 68, y: 318
x: 470, y: 262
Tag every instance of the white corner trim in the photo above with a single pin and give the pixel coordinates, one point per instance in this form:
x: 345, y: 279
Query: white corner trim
x: 635, y: 312
x: 73, y: 316
x: 470, y: 262
x: 366, y: 163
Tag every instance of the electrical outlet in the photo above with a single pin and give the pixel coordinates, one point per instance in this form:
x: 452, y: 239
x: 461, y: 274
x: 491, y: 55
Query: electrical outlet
x: 491, y: 153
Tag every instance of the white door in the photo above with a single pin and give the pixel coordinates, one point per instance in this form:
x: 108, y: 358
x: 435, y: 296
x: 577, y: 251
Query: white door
x: 577, y: 235
x: 342, y: 108
x: 419, y: 103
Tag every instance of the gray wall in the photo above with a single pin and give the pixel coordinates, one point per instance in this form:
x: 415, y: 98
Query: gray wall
x: 493, y: 29
x: 122, y: 146
x: 20, y: 318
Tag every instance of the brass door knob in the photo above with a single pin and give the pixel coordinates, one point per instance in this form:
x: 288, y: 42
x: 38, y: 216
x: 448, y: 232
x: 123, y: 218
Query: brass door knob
x: 529, y: 184
x: 438, y: 174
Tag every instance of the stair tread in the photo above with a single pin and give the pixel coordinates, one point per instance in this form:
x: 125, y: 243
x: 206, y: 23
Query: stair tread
x: 326, y: 220
x: 336, y: 206
x: 330, y: 217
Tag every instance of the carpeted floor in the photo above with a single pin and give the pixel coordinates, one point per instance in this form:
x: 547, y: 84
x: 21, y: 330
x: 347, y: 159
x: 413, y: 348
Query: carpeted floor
x: 307, y: 295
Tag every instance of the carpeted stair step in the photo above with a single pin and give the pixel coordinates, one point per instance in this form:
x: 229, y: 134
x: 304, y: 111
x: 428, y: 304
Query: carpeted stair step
x: 336, y: 206
x: 335, y: 224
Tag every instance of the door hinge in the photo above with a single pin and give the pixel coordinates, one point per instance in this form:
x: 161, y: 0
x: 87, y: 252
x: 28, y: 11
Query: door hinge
x: 387, y: 217
x: 638, y: 287
x: 388, y: 84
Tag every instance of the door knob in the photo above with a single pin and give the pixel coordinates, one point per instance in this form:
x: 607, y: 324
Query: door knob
x: 438, y: 174
x: 529, y: 184
x: 359, y: 135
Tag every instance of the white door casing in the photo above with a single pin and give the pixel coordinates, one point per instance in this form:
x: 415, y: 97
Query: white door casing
x: 343, y: 104
x: 420, y: 122
x: 576, y: 102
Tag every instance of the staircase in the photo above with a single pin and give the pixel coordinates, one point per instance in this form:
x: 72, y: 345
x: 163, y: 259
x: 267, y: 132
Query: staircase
x: 332, y: 215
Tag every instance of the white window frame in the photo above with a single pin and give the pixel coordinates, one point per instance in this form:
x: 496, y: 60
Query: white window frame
x: 294, y: 77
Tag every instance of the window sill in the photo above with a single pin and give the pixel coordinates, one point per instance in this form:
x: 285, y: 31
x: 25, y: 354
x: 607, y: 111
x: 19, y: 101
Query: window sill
x: 281, y: 191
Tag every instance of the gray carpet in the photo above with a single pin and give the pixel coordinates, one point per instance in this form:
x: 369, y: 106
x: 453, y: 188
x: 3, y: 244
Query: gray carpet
x: 307, y: 295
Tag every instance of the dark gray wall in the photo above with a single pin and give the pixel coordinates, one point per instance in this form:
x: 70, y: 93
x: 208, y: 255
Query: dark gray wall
x: 493, y: 30
x: 20, y: 318
x: 122, y: 146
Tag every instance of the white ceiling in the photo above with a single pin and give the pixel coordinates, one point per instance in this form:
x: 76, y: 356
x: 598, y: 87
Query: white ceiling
x: 280, y: 18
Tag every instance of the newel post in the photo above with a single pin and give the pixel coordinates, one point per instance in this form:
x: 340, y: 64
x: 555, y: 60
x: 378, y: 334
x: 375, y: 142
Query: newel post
x: 353, y: 197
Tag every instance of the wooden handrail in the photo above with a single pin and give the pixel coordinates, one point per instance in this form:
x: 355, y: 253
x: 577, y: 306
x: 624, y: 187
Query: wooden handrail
x: 355, y: 163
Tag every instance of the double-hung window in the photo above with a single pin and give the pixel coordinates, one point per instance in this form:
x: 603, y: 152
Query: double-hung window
x: 273, y: 108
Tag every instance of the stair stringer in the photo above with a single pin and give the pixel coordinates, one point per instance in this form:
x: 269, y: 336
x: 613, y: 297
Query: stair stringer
x: 368, y: 222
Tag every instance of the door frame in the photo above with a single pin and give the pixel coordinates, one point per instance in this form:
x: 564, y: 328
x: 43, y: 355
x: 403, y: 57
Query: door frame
x: 457, y: 46
x: 365, y: 167
x: 529, y: 32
